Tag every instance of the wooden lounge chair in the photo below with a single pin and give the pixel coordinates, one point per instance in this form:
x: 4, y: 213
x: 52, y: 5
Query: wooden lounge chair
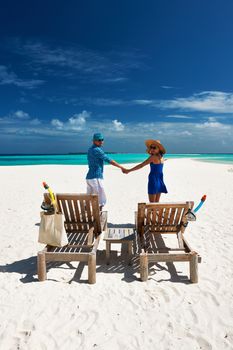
x: 83, y: 224
x: 153, y: 221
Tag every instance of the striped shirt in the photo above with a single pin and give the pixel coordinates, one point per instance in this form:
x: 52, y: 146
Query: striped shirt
x: 96, y: 158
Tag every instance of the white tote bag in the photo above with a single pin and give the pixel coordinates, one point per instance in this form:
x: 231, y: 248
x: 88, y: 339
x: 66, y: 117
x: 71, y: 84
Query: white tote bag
x: 52, y: 230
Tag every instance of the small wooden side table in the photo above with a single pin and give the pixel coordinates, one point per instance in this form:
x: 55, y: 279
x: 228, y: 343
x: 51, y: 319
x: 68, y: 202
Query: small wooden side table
x: 119, y: 235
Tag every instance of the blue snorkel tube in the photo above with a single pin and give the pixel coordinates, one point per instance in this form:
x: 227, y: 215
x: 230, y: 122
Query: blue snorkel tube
x: 190, y: 216
x: 200, y: 204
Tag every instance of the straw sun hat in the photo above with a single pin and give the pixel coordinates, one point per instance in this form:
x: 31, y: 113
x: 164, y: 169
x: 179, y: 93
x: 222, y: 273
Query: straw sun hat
x: 157, y: 143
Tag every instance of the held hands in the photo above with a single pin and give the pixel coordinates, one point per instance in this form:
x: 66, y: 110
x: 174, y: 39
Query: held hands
x: 125, y: 171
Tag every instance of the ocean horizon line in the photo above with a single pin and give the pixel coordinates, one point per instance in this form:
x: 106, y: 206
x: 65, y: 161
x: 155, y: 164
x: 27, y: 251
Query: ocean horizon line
x: 122, y: 158
x: 107, y: 152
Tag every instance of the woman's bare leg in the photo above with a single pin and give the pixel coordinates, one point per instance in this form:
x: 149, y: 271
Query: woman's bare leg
x: 152, y: 198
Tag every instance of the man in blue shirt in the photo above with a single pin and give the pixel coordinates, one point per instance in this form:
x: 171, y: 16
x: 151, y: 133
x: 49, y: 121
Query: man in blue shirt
x: 96, y: 158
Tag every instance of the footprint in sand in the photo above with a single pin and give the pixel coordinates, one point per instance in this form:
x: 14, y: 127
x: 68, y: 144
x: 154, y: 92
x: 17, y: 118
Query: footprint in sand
x: 203, y: 343
x: 133, y: 306
x: 175, y: 291
x: 192, y: 316
x: 130, y: 342
x: 86, y: 320
x: 229, y: 338
x: 44, y: 341
x: 215, y: 284
x: 25, y: 336
x: 163, y: 293
x: 25, y: 329
x: 212, y: 297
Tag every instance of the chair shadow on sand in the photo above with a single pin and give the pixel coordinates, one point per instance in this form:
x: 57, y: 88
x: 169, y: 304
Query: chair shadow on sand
x: 26, y: 267
x: 118, y: 264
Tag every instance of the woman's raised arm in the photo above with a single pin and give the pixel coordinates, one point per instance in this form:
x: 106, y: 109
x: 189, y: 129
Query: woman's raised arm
x: 139, y: 166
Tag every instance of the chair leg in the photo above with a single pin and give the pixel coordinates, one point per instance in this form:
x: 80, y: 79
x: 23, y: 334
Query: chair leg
x: 92, y: 268
x: 108, y: 250
x: 143, y: 267
x: 193, y: 265
x: 106, y: 226
x: 41, y: 266
x: 130, y: 243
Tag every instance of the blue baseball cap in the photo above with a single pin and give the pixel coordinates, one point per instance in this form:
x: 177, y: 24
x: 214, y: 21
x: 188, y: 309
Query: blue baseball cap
x: 98, y: 136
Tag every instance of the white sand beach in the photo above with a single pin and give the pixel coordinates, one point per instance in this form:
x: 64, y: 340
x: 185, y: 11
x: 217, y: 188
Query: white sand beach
x: 119, y: 311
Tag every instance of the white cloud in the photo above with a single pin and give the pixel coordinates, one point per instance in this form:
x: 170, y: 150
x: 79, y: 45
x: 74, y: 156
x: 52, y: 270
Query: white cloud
x: 57, y: 123
x: 21, y: 115
x: 75, y: 123
x: 143, y: 102
x: 212, y: 119
x: 78, y: 121
x: 35, y: 122
x: 215, y: 125
x: 178, y: 116
x: 206, y: 101
x: 106, y: 102
x: 108, y: 67
x: 186, y: 133
x: 118, y: 126
x: 15, y: 117
x: 113, y: 80
x: 10, y: 78
x: 167, y: 87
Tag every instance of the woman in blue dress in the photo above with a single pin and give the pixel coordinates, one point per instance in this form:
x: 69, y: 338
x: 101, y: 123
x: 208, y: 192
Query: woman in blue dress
x: 156, y: 185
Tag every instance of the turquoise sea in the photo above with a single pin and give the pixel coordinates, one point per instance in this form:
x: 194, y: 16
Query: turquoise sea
x: 80, y: 159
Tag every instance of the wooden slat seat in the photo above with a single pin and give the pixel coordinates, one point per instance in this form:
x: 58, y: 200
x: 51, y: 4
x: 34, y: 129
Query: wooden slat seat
x: 83, y: 224
x: 156, y: 220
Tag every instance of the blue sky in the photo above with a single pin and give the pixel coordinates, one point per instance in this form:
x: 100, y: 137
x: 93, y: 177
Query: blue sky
x: 132, y: 69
